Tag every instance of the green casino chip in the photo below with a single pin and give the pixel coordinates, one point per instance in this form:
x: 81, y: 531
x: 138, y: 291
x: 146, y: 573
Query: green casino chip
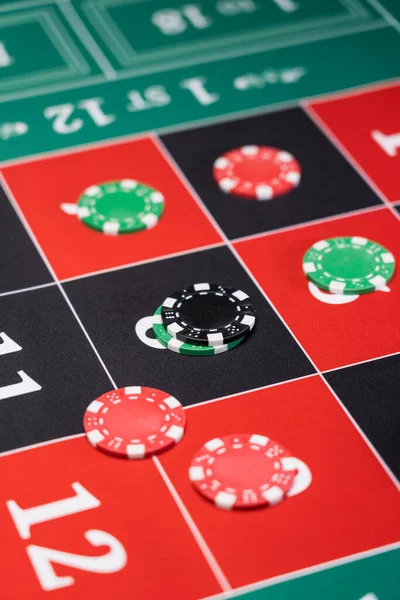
x: 175, y: 345
x: 348, y: 265
x: 117, y: 207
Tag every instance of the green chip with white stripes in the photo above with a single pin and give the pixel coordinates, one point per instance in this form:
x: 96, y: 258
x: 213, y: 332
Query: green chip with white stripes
x: 349, y: 265
x: 180, y: 347
x: 118, y: 207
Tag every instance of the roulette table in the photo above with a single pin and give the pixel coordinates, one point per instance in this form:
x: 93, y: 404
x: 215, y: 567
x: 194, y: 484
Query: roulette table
x: 199, y: 335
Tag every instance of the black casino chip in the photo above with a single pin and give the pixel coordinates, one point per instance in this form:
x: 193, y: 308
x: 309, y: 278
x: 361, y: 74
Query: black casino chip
x: 208, y: 314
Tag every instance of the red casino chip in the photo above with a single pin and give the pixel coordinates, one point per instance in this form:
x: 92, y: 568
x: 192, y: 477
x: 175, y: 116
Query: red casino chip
x: 257, y: 172
x: 134, y: 422
x: 242, y: 471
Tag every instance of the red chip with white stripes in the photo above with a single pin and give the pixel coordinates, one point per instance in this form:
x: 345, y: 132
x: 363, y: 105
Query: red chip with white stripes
x: 257, y: 172
x: 243, y: 471
x: 134, y: 422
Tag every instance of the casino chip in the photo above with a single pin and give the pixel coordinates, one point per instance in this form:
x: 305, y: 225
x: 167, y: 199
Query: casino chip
x: 258, y: 172
x: 348, y: 265
x: 206, y: 314
x: 175, y: 345
x: 119, y: 207
x: 134, y: 422
x: 242, y: 471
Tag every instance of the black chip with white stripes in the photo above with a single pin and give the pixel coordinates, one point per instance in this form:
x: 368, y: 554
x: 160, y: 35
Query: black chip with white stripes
x: 207, y: 314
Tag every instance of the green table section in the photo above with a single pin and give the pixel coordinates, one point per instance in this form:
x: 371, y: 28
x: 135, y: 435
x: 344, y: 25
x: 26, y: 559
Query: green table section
x: 373, y: 578
x: 138, y: 33
x: 75, y: 72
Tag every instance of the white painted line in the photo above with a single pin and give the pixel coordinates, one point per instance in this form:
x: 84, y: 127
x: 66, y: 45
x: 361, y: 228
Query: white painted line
x: 86, y: 38
x: 32, y: 236
x: 41, y: 444
x: 195, y: 195
x: 200, y: 405
x: 250, y: 391
x: 205, y: 549
x: 217, y: 571
x: 361, y: 90
x: 241, y: 114
x: 389, y: 18
x: 22, y: 5
x: 336, y: 217
x: 28, y: 289
x: 327, y: 131
x: 169, y: 66
x: 361, y: 362
x: 145, y: 261
x: 266, y: 583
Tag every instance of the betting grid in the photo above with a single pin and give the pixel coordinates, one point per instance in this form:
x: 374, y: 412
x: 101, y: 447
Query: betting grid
x: 316, y: 292
x: 310, y: 361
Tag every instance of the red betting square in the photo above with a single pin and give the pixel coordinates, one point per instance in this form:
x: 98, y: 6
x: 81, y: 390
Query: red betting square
x: 40, y: 187
x: 367, y: 124
x: 350, y: 506
x: 332, y: 334
x: 99, y: 527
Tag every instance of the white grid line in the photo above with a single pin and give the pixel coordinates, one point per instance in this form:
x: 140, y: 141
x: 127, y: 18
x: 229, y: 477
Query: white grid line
x: 328, y: 133
x: 245, y: 238
x: 266, y: 583
x: 229, y: 244
x: 213, y: 400
x: 379, y: 458
x: 20, y: 5
x: 166, y: 66
x: 205, y: 549
x: 65, y: 438
x: 389, y: 18
x: 63, y: 45
x: 219, y: 119
x: 82, y: 32
x: 360, y: 362
x: 310, y: 223
x: 145, y: 261
x: 126, y: 52
x: 250, y: 391
x: 216, y: 570
x: 113, y: 269
x: 32, y: 288
x: 32, y: 236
